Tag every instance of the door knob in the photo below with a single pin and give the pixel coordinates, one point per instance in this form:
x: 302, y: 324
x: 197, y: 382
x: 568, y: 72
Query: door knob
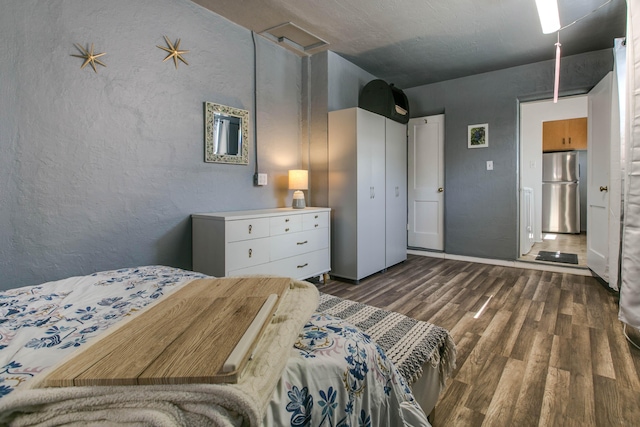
x: 440, y: 190
x: 605, y: 188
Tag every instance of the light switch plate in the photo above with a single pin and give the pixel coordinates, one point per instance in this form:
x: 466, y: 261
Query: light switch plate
x: 489, y: 165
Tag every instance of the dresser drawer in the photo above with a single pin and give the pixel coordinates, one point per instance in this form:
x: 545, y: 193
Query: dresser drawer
x: 247, y: 253
x: 247, y: 229
x: 298, y: 267
x: 285, y: 224
x: 315, y: 220
x: 287, y: 245
x: 303, y: 266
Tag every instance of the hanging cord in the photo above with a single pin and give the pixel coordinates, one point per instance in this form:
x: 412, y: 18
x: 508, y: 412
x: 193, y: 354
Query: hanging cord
x: 590, y: 13
x: 624, y: 331
x: 309, y: 124
x: 255, y: 100
x: 557, y: 70
x: 556, y: 82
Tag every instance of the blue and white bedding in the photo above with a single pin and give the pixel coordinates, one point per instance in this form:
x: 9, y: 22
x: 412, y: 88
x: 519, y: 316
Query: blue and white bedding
x: 40, y: 325
x: 335, y: 375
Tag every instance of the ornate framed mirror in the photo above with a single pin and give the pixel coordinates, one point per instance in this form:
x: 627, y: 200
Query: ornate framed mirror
x: 226, y: 134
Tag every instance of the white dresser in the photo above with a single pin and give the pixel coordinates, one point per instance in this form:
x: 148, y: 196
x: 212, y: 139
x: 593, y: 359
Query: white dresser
x: 283, y: 241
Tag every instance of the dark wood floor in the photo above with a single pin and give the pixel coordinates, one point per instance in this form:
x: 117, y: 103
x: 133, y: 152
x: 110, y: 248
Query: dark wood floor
x: 548, y: 349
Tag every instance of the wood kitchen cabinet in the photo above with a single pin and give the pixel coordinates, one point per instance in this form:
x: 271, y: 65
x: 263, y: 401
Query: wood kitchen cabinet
x: 561, y: 135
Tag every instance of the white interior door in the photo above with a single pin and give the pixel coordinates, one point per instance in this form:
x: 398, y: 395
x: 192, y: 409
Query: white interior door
x: 598, y: 160
x: 425, y: 183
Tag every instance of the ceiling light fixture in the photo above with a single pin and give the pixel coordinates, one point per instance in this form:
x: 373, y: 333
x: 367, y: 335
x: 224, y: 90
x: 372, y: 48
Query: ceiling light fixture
x: 550, y: 22
x: 549, y: 17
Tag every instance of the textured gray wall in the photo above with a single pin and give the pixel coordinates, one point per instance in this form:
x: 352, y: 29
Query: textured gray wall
x: 336, y: 84
x: 481, y: 207
x: 102, y: 171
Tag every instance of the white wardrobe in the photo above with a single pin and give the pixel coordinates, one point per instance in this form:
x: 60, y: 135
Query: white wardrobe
x: 367, y: 157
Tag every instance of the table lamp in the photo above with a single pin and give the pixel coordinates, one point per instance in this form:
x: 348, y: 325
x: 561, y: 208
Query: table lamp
x: 298, y: 181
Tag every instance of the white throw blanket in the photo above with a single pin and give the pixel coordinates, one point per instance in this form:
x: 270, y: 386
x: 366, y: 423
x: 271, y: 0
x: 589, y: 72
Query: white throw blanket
x: 238, y: 404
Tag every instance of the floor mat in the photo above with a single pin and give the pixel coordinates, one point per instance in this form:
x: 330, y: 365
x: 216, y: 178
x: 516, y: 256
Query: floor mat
x: 557, y: 257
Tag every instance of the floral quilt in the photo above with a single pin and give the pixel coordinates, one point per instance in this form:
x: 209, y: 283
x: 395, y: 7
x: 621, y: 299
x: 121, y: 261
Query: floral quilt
x: 335, y: 375
x: 40, y: 325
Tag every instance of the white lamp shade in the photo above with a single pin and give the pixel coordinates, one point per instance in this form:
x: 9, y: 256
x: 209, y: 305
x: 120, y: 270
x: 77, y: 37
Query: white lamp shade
x: 298, y: 179
x: 549, y: 17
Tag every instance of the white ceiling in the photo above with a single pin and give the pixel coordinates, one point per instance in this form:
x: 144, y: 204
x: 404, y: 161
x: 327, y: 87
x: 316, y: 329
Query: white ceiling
x: 415, y: 42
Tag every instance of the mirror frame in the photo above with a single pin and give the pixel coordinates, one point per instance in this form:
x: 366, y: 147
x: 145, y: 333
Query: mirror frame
x: 211, y: 109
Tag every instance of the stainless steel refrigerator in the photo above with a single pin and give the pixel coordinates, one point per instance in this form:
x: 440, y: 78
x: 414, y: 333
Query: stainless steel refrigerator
x: 560, y: 192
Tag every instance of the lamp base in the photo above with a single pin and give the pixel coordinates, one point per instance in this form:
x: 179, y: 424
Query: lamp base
x: 298, y: 200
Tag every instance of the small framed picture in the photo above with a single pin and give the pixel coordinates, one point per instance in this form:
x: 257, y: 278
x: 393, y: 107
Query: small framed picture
x: 478, y: 136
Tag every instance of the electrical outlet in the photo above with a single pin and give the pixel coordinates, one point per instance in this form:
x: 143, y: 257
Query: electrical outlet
x: 489, y: 165
x: 260, y: 179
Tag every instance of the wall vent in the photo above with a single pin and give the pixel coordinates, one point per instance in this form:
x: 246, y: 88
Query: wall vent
x: 294, y: 38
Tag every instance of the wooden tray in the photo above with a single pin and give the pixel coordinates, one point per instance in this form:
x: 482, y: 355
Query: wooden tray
x: 202, y: 333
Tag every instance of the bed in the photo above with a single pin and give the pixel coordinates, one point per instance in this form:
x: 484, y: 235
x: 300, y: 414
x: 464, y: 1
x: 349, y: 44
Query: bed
x: 321, y: 360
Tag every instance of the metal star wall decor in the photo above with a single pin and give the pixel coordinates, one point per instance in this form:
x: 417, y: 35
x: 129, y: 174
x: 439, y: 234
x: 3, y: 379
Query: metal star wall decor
x: 174, y: 51
x: 89, y: 57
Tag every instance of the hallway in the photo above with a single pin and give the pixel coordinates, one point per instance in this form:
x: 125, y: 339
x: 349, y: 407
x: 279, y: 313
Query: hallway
x: 566, y: 243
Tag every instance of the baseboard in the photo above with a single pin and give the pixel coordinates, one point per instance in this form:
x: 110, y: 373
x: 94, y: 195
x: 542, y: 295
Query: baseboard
x: 579, y: 271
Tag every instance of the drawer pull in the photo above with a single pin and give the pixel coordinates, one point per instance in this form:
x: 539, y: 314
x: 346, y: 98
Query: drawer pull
x: 316, y: 226
x: 303, y: 265
x: 250, y: 252
x: 302, y: 243
x: 316, y: 217
x: 250, y: 228
x: 286, y: 220
x: 286, y: 229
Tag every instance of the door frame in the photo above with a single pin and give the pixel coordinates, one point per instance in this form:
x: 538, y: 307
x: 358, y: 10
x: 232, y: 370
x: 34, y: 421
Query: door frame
x: 530, y: 150
x: 432, y: 192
